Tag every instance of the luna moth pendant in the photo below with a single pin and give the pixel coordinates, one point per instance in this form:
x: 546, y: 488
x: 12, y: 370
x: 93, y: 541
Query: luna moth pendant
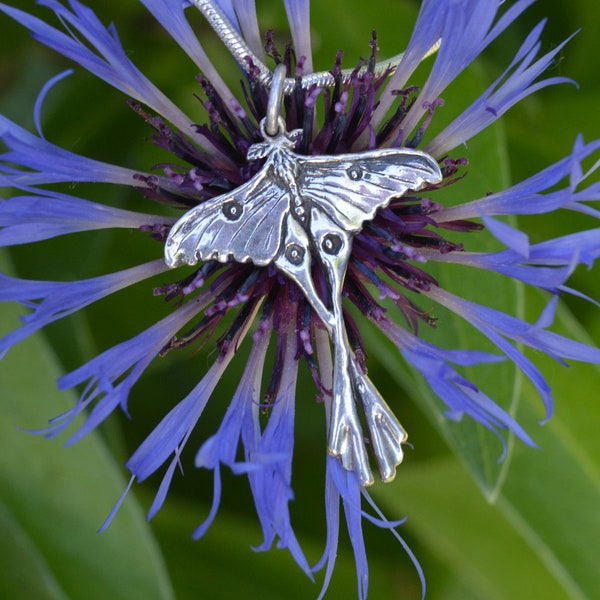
x: 303, y: 211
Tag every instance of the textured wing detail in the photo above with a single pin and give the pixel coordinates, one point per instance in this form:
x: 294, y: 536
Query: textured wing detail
x: 350, y: 188
x: 244, y: 225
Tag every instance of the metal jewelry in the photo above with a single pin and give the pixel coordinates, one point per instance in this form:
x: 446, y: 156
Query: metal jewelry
x: 301, y: 212
x: 242, y: 54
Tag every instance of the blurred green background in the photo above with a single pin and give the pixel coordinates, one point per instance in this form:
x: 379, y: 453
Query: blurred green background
x: 525, y: 529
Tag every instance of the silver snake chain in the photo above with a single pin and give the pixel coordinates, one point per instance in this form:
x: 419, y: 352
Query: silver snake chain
x: 241, y: 53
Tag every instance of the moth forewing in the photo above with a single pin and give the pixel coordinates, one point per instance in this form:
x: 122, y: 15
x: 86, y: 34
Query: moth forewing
x: 245, y: 225
x: 351, y: 188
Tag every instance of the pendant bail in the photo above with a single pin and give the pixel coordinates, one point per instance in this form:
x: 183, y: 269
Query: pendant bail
x: 272, y: 124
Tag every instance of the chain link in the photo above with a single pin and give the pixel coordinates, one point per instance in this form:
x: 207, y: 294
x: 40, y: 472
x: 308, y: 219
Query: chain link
x: 243, y: 55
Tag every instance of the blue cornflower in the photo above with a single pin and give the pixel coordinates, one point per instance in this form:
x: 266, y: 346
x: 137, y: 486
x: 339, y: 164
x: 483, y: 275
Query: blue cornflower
x: 257, y: 306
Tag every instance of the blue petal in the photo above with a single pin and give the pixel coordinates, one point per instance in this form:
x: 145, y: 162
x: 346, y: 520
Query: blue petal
x: 170, y: 14
x: 130, y: 358
x: 172, y: 432
x: 271, y: 485
x: 298, y: 14
x: 404, y: 339
x: 468, y: 30
x: 582, y: 248
x: 526, y: 366
x: 109, y: 62
x: 510, y: 236
x: 222, y: 447
x: 52, y: 163
x: 59, y: 299
x: 427, y: 31
x: 526, y: 198
x: 548, y: 265
x: 37, y: 113
x: 520, y: 331
x: 459, y: 394
x: 247, y: 20
x: 504, y: 93
x: 116, y: 507
x: 241, y: 416
x: 332, y: 516
x: 47, y: 214
x: 349, y: 489
x: 171, y: 435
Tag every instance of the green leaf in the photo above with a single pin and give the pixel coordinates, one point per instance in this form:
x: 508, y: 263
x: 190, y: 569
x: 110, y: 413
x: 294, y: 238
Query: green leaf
x: 552, y: 494
x: 541, y: 539
x: 24, y: 572
x: 474, y: 539
x: 55, y: 498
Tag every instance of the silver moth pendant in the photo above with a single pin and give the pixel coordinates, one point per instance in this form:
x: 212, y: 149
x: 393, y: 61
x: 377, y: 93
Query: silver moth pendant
x: 296, y: 211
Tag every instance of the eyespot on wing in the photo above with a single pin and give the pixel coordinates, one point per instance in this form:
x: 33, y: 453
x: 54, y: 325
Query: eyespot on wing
x: 350, y: 188
x: 244, y: 225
